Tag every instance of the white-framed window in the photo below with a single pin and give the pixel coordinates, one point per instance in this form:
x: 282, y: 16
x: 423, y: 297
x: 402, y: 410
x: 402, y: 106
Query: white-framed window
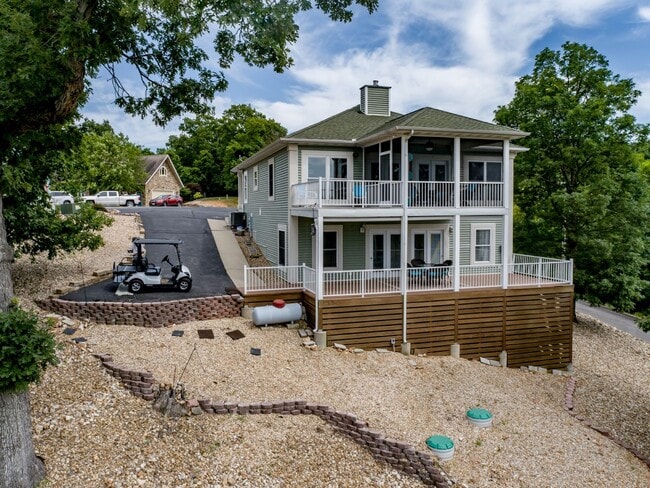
x: 255, y: 179
x: 163, y: 170
x: 271, y: 180
x: 484, y: 168
x: 246, y: 186
x: 332, y: 247
x: 325, y: 164
x: 483, y: 244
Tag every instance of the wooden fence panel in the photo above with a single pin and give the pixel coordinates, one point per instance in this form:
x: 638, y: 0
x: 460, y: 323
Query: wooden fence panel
x: 534, y: 325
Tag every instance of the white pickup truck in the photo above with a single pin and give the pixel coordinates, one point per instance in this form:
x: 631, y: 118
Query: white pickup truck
x: 112, y: 198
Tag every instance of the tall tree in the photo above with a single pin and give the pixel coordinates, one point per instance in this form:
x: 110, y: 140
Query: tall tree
x: 102, y: 161
x: 579, y: 189
x: 209, y: 147
x: 51, y: 48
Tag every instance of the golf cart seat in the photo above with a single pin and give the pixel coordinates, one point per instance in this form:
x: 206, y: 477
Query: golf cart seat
x: 152, y: 270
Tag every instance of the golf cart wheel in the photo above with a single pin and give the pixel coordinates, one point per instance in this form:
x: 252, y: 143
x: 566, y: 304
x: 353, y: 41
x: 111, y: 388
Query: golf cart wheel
x: 184, y: 284
x: 135, y: 286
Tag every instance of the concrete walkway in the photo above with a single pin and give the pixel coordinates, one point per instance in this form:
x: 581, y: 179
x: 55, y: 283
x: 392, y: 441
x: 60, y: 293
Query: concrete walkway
x: 618, y: 320
x: 231, y: 256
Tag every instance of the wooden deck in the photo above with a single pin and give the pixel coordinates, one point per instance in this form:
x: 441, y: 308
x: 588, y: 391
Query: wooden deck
x: 533, y: 324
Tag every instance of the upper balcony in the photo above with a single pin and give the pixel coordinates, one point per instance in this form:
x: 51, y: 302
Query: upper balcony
x: 340, y: 193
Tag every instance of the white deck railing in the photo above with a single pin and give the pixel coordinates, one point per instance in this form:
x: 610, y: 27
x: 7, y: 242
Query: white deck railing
x: 276, y: 278
x: 481, y: 194
x: 330, y: 192
x: 538, y: 270
x: 522, y: 271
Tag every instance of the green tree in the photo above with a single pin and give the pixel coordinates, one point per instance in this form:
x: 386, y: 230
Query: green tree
x: 209, y: 147
x: 50, y: 49
x: 579, y: 189
x: 245, y: 131
x: 102, y: 161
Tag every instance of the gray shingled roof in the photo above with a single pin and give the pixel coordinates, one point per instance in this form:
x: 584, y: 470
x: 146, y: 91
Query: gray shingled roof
x: 351, y: 124
x: 345, y: 126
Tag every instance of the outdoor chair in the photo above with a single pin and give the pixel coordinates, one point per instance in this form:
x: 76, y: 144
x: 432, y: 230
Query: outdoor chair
x: 440, y: 272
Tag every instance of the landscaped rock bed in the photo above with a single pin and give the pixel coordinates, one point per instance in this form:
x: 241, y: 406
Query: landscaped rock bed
x: 92, y: 432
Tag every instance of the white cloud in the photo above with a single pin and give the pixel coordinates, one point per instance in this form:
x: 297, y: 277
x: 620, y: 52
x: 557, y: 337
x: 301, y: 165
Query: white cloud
x: 642, y: 108
x: 461, y: 56
x: 644, y: 13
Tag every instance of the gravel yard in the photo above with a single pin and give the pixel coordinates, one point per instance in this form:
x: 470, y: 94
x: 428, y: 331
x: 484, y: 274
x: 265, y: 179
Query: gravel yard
x: 92, y: 433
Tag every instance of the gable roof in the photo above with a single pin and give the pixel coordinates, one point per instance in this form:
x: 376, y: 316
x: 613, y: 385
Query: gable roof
x: 153, y: 163
x: 352, y: 128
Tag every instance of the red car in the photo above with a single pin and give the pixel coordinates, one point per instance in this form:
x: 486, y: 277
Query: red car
x: 165, y: 200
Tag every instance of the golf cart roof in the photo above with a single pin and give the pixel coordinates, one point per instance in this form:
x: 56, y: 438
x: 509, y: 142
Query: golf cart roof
x: 173, y: 242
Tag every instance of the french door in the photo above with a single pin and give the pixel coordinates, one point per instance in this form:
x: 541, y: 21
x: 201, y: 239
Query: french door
x: 428, y: 245
x: 385, y: 249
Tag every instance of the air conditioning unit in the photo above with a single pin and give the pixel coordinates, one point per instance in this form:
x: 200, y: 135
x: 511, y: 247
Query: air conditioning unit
x: 238, y: 219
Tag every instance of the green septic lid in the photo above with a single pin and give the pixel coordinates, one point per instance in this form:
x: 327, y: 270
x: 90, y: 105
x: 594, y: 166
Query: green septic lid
x: 440, y: 442
x: 479, y: 414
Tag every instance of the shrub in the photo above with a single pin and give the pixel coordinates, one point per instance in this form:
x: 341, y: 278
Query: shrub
x: 26, y: 348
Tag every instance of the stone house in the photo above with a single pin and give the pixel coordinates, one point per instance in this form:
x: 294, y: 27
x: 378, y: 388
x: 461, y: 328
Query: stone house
x: 162, y: 177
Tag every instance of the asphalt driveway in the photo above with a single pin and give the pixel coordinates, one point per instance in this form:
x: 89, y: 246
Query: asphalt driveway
x: 199, y: 254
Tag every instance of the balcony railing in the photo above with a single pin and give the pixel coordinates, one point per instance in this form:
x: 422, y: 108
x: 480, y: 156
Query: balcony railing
x: 522, y: 271
x: 371, y: 193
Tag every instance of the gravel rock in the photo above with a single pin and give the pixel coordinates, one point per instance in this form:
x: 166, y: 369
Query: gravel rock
x: 92, y: 433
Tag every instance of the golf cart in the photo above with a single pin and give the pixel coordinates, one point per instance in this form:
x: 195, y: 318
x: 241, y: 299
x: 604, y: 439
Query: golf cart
x: 137, y: 273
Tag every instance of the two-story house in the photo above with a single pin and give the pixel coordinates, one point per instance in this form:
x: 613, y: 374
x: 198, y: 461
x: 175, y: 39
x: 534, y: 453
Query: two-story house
x: 397, y: 229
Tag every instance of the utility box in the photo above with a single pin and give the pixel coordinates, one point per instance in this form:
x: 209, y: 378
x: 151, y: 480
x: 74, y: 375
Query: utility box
x: 67, y: 208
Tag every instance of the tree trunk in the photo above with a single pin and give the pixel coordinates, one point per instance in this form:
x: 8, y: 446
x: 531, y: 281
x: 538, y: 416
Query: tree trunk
x: 19, y: 466
x: 6, y: 256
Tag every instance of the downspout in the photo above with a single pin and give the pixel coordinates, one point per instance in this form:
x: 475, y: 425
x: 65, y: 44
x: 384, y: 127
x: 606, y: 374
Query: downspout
x: 404, y: 231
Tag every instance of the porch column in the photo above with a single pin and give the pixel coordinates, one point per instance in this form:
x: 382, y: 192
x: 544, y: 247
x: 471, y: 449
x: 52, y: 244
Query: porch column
x: 457, y: 216
x: 404, y: 233
x: 456, y: 173
x: 319, y: 266
x: 292, y: 227
x: 457, y: 252
x: 507, y: 221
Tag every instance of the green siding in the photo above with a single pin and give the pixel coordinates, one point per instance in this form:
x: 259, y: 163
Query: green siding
x: 354, y: 246
x: 466, y: 238
x: 265, y: 215
x: 304, y: 242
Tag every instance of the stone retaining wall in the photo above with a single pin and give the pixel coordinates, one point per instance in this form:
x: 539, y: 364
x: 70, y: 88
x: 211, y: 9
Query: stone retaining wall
x: 400, y: 455
x: 148, y: 314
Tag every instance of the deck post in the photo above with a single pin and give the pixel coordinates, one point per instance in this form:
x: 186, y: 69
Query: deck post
x: 457, y: 252
x: 503, y: 359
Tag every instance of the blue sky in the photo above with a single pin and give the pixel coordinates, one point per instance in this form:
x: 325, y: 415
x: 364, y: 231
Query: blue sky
x: 463, y: 56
